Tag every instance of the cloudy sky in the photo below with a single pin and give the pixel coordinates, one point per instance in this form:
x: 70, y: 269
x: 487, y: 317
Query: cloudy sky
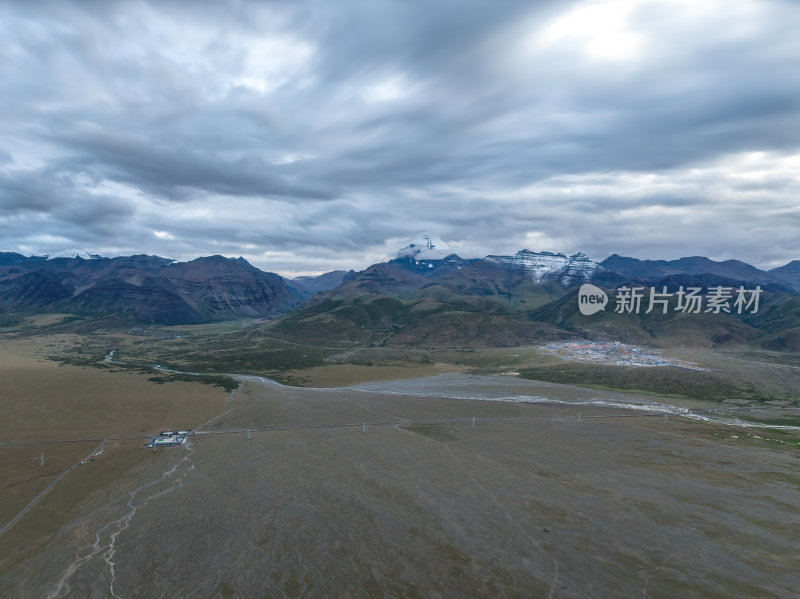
x: 307, y: 136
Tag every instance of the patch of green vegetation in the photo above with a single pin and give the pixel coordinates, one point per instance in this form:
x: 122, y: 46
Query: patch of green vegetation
x: 432, y: 320
x: 773, y: 357
x: 290, y: 381
x: 709, y: 386
x: 89, y: 352
x: 340, y: 323
x: 247, y: 360
x: 791, y: 421
x: 215, y: 380
x: 777, y: 443
x: 77, y: 360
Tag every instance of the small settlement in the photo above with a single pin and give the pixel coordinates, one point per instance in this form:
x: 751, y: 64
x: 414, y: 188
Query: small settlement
x: 614, y: 353
x: 169, y: 439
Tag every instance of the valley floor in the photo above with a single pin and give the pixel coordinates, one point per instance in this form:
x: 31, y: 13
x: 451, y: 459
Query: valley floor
x: 424, y: 488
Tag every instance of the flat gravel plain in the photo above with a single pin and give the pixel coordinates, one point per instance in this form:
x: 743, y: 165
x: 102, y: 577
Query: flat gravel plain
x: 390, y: 490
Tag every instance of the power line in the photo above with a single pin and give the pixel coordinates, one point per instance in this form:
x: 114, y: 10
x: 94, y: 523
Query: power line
x: 400, y: 422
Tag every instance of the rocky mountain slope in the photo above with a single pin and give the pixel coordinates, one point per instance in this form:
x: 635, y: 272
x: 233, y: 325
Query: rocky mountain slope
x: 650, y: 270
x: 146, y: 289
x: 312, y: 285
x: 789, y: 274
x: 532, y: 296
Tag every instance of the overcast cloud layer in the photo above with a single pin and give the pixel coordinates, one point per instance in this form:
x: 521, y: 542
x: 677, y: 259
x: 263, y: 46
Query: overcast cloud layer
x: 308, y: 136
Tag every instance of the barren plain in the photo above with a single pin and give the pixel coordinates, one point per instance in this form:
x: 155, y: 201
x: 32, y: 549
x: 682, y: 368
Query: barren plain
x: 447, y: 486
x: 67, y: 414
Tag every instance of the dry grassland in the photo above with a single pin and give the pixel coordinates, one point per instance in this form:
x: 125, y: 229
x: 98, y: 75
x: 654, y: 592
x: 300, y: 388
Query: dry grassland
x: 621, y: 506
x: 43, y: 401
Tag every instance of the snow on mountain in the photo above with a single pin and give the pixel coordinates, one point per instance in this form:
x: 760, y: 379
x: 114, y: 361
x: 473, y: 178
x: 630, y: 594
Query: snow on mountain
x: 83, y: 254
x: 540, y: 266
x: 425, y: 247
x: 579, y: 269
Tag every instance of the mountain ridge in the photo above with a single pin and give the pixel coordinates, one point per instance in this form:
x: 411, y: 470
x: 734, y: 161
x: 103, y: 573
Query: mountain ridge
x: 147, y: 289
x: 442, y: 297
x: 530, y: 297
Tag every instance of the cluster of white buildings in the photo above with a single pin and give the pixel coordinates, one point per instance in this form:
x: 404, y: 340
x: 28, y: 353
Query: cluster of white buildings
x: 169, y: 439
x: 613, y: 353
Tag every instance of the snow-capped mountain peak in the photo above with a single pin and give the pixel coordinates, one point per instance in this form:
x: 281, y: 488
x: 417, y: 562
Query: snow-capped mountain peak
x: 579, y: 269
x: 425, y: 247
x: 541, y: 266
x: 82, y: 254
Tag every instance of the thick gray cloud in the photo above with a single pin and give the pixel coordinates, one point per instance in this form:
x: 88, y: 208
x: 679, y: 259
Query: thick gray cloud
x: 308, y: 136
